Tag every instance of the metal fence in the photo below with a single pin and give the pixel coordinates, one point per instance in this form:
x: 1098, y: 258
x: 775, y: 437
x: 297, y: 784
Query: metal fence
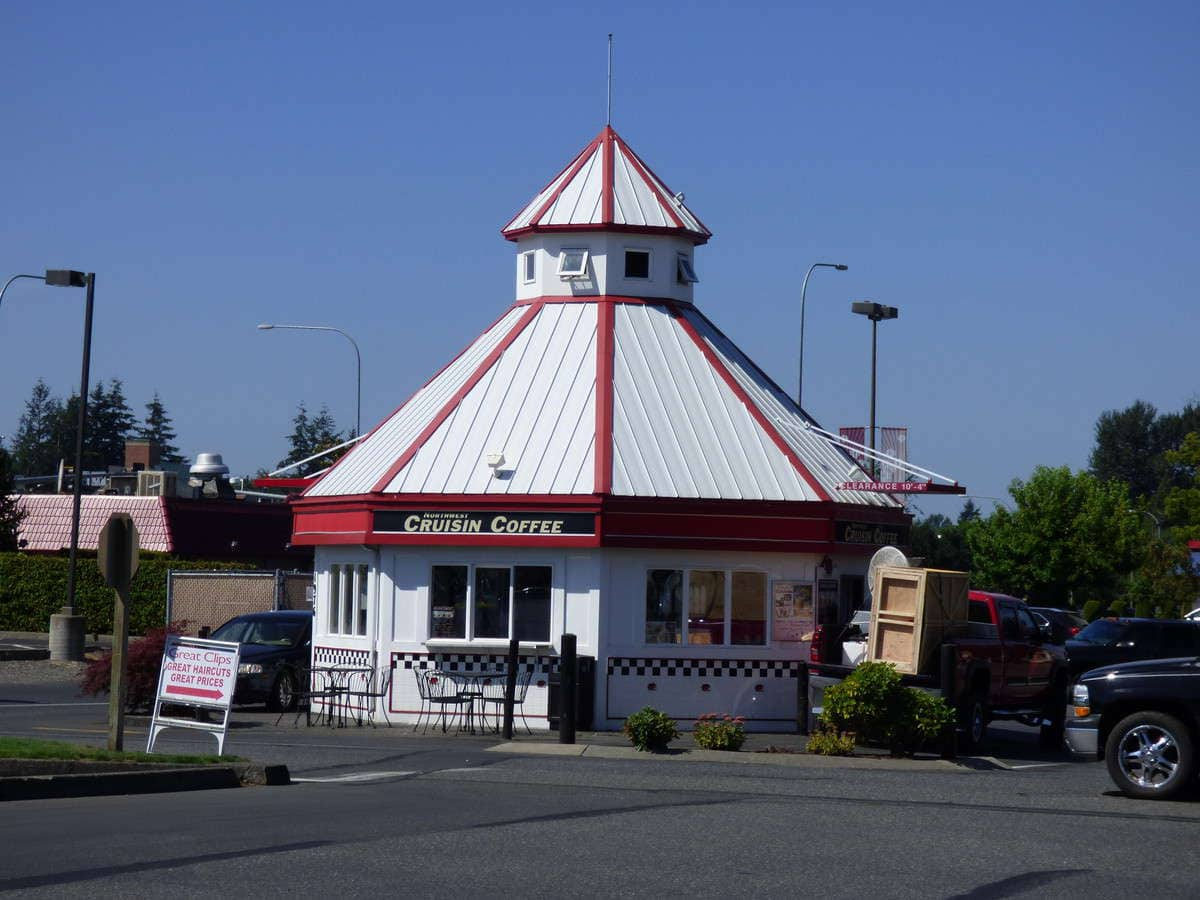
x: 208, y: 599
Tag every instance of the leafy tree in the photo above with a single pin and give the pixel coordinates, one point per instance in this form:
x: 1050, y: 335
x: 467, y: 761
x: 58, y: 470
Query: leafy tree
x: 940, y: 543
x: 10, y: 516
x: 1070, y: 539
x: 1182, y: 504
x: 1126, y: 448
x: 157, y: 428
x: 36, y: 447
x: 308, y: 438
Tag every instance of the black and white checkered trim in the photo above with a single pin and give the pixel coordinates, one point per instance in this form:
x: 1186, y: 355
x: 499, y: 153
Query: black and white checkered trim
x: 473, y: 662
x: 341, y: 656
x: 704, y: 668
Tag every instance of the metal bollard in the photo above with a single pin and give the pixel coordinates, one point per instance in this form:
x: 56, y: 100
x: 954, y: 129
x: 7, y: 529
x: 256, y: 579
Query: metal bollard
x: 510, y: 687
x: 567, y: 680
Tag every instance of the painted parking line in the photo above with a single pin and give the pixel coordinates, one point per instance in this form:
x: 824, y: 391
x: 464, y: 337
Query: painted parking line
x: 356, y: 778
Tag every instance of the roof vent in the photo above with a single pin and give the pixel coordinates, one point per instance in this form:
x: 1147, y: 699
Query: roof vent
x: 208, y: 464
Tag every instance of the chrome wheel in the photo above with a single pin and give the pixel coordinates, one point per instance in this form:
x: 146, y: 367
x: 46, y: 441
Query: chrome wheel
x: 1149, y: 756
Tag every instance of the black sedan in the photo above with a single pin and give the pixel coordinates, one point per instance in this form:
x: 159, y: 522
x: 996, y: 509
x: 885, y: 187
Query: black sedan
x: 1064, y: 623
x: 276, y: 648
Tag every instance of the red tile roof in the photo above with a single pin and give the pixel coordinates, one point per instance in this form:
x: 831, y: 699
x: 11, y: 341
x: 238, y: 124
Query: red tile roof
x: 47, y: 522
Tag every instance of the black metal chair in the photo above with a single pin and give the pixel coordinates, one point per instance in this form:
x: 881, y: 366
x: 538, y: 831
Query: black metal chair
x: 367, y: 690
x: 438, y: 691
x: 493, y: 692
x: 312, y: 684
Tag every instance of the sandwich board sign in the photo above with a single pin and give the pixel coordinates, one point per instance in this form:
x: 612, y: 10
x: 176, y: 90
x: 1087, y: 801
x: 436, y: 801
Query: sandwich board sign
x: 197, y: 673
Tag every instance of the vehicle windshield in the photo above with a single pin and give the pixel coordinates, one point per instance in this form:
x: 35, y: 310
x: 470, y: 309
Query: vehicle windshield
x: 1102, y: 632
x: 268, y: 632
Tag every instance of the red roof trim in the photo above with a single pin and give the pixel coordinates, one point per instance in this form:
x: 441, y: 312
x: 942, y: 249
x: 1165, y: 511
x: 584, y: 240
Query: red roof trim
x: 285, y: 483
x: 573, y: 167
x: 454, y: 401
x: 695, y: 236
x: 604, y: 398
x: 598, y: 298
x: 583, y: 157
x: 606, y: 195
x: 653, y: 183
x: 751, y: 406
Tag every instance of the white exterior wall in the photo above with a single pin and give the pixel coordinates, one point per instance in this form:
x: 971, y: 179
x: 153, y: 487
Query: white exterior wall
x: 606, y: 265
x: 598, y: 595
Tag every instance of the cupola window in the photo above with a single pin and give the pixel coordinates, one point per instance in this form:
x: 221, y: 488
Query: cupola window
x: 528, y: 267
x: 637, y: 264
x: 572, y: 262
x: 684, y: 273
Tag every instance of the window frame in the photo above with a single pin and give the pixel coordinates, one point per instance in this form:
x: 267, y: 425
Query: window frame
x: 529, y: 267
x: 682, y: 626
x: 685, y: 272
x: 469, y: 619
x: 649, y: 254
x: 579, y: 271
x: 348, y: 598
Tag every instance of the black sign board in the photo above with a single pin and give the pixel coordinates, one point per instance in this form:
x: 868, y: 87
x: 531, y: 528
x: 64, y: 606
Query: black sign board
x: 876, y: 533
x: 536, y: 524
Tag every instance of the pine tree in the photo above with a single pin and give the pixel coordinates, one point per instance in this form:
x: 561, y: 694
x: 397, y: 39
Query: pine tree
x: 157, y: 428
x: 36, y: 447
x: 10, y: 516
x: 308, y: 437
x: 109, y: 422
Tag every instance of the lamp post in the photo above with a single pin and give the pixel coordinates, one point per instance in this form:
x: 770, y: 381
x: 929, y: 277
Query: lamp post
x: 1157, y: 522
x: 267, y: 326
x: 876, y: 312
x: 803, y: 290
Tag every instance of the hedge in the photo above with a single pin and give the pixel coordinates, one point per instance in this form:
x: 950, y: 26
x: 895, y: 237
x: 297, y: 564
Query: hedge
x: 32, y: 588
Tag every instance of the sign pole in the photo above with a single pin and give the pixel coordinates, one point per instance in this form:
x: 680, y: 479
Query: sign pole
x: 118, y: 558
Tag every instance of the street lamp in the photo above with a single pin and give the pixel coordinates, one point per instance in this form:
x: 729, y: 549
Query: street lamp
x: 1157, y: 522
x: 876, y: 312
x: 267, y: 326
x: 803, y: 289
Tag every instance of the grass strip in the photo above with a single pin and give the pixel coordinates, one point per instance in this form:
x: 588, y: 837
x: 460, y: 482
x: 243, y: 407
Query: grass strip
x: 33, y: 748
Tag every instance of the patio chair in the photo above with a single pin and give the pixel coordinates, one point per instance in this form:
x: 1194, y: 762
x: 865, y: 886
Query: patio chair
x: 310, y: 684
x: 438, y: 691
x: 362, y: 688
x: 493, y: 692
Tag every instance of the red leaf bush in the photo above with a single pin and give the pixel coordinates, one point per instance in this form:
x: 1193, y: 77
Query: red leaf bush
x: 142, y: 664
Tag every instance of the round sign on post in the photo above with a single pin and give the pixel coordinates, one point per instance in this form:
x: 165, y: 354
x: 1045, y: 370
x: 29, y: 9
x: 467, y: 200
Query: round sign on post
x: 118, y: 551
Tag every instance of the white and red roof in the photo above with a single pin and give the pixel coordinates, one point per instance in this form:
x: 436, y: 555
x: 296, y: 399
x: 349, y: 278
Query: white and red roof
x: 46, y: 523
x: 612, y: 396
x: 607, y: 187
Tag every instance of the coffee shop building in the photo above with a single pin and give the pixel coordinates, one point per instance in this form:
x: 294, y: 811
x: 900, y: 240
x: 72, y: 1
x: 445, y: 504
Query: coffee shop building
x: 602, y: 461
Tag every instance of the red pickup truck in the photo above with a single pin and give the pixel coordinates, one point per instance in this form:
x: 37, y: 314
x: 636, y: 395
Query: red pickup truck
x: 1003, y: 668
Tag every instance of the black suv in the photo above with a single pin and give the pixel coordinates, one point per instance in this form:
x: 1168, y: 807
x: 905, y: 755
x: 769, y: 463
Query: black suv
x: 1109, y: 641
x: 1142, y: 718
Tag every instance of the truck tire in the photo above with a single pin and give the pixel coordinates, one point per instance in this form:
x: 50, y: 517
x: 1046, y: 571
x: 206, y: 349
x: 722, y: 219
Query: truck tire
x: 1054, y: 717
x: 1150, y: 755
x: 972, y: 719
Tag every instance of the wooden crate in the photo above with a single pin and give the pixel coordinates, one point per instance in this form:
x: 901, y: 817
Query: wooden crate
x: 914, y: 610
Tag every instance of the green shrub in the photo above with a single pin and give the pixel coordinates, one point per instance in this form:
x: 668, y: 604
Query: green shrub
x: 873, y: 704
x: 1091, y: 610
x: 33, y: 587
x: 716, y: 732
x: 649, y: 729
x: 829, y: 741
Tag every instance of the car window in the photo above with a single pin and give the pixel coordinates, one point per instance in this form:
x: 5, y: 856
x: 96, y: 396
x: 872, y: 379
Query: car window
x: 978, y: 612
x: 1029, y: 628
x: 267, y: 632
x: 1180, y: 640
x: 1143, y: 635
x: 1010, y: 630
x: 233, y: 630
x: 1104, y: 632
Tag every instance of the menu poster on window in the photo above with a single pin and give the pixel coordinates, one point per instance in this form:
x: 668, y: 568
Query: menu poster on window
x: 792, y: 602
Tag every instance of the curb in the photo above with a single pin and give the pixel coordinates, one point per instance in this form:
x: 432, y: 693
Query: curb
x: 154, y: 780
x: 737, y: 757
x: 15, y: 655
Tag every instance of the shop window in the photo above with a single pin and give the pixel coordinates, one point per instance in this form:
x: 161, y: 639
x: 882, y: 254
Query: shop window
x: 448, y: 602
x: 724, y: 607
x: 490, y: 602
x: 664, y: 606
x: 348, y: 600
x: 706, y: 607
x: 637, y: 264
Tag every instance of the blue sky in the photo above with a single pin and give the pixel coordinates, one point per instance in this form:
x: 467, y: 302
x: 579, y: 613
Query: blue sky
x: 1021, y: 182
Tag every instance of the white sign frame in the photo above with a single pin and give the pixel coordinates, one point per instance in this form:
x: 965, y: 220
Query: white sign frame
x: 214, y: 671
